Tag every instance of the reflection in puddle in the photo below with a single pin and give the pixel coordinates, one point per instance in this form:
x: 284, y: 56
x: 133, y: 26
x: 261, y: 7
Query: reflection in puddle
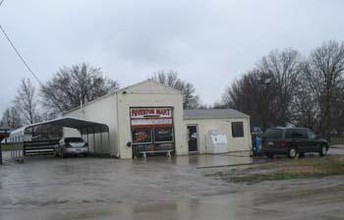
x: 215, y: 208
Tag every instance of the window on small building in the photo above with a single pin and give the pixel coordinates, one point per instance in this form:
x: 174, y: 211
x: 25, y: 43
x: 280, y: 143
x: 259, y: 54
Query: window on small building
x: 237, y: 129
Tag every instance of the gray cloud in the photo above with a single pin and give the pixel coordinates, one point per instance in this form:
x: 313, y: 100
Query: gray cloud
x: 210, y: 43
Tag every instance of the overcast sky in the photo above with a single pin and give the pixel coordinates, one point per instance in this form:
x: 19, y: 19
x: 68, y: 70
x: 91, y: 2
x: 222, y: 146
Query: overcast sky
x: 209, y: 43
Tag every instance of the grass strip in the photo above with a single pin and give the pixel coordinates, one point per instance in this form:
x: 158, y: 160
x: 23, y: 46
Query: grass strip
x: 9, y: 147
x: 295, y: 169
x: 337, y: 140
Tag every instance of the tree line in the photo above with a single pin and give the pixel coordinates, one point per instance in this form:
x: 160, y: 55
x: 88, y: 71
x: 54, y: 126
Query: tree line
x: 285, y: 88
x: 69, y: 88
x: 73, y: 86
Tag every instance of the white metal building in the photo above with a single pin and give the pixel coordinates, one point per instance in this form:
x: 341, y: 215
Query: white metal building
x: 149, y: 117
x: 145, y: 116
x: 235, y: 125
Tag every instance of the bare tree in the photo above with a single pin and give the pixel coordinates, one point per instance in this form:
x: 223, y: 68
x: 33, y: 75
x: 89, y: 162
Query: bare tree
x: 252, y: 96
x: 284, y: 68
x: 304, y: 107
x: 338, y: 114
x: 267, y: 91
x: 218, y: 105
x: 170, y: 79
x: 11, y: 118
x: 325, y: 73
x: 76, y: 85
x: 26, y: 102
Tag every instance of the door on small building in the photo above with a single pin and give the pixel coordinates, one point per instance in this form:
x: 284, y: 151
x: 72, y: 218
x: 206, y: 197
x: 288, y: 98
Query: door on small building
x: 193, y: 137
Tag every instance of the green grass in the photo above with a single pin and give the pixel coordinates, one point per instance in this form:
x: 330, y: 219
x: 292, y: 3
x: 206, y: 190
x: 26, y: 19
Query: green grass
x: 291, y: 169
x: 337, y: 140
x: 265, y: 177
x: 8, y: 147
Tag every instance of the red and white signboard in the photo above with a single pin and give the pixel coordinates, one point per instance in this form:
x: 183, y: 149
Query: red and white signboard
x: 151, y: 117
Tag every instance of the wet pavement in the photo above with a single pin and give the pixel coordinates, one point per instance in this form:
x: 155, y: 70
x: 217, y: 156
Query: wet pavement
x: 158, y: 188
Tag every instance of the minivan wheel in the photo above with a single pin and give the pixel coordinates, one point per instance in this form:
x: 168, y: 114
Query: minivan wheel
x: 323, y: 150
x: 292, y: 152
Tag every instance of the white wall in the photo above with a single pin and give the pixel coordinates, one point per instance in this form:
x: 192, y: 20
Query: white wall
x: 101, y: 111
x: 224, y: 125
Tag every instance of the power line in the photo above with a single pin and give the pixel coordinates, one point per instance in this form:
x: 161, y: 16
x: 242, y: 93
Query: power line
x: 27, y: 65
x: 19, y: 55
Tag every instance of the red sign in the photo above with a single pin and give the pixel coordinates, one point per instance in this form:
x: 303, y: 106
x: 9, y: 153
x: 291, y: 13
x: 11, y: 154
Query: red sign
x: 151, y: 117
x: 150, y: 113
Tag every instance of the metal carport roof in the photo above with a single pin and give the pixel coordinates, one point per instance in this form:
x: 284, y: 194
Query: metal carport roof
x: 85, y: 127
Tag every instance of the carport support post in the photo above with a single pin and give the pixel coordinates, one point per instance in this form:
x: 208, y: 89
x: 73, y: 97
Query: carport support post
x: 88, y: 141
x: 101, y: 142
x: 0, y: 152
x: 108, y: 132
x: 94, y: 139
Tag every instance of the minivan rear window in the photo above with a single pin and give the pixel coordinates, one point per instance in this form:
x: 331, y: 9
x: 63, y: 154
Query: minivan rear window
x: 273, y: 133
x: 73, y: 139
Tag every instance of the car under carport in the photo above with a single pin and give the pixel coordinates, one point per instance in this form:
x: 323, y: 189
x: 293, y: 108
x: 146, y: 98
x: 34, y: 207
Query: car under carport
x: 40, y: 138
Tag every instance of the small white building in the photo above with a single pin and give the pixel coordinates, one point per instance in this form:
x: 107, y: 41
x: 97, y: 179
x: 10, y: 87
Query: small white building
x: 148, y: 116
x: 235, y: 125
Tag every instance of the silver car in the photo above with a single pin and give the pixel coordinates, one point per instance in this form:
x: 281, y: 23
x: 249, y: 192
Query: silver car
x: 71, y: 146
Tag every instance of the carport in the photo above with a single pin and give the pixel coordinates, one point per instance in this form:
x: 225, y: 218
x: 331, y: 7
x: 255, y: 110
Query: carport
x: 96, y: 134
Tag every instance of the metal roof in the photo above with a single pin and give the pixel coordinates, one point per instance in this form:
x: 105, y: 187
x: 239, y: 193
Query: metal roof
x: 18, y: 131
x: 83, y: 126
x: 213, y: 114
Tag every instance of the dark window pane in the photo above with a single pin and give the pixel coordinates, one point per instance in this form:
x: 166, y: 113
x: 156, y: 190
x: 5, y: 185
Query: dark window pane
x: 299, y: 133
x: 163, y: 134
x: 289, y: 134
x: 142, y: 135
x: 237, y: 129
x: 273, y: 133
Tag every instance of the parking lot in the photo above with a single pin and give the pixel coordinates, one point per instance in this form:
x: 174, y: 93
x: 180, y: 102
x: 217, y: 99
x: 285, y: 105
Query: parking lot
x: 159, y: 188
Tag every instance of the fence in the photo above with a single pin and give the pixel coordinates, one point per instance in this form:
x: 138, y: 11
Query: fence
x: 13, y: 151
x: 41, y: 147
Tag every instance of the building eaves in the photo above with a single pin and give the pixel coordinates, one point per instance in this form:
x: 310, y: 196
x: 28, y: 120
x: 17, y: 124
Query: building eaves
x: 213, y: 114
